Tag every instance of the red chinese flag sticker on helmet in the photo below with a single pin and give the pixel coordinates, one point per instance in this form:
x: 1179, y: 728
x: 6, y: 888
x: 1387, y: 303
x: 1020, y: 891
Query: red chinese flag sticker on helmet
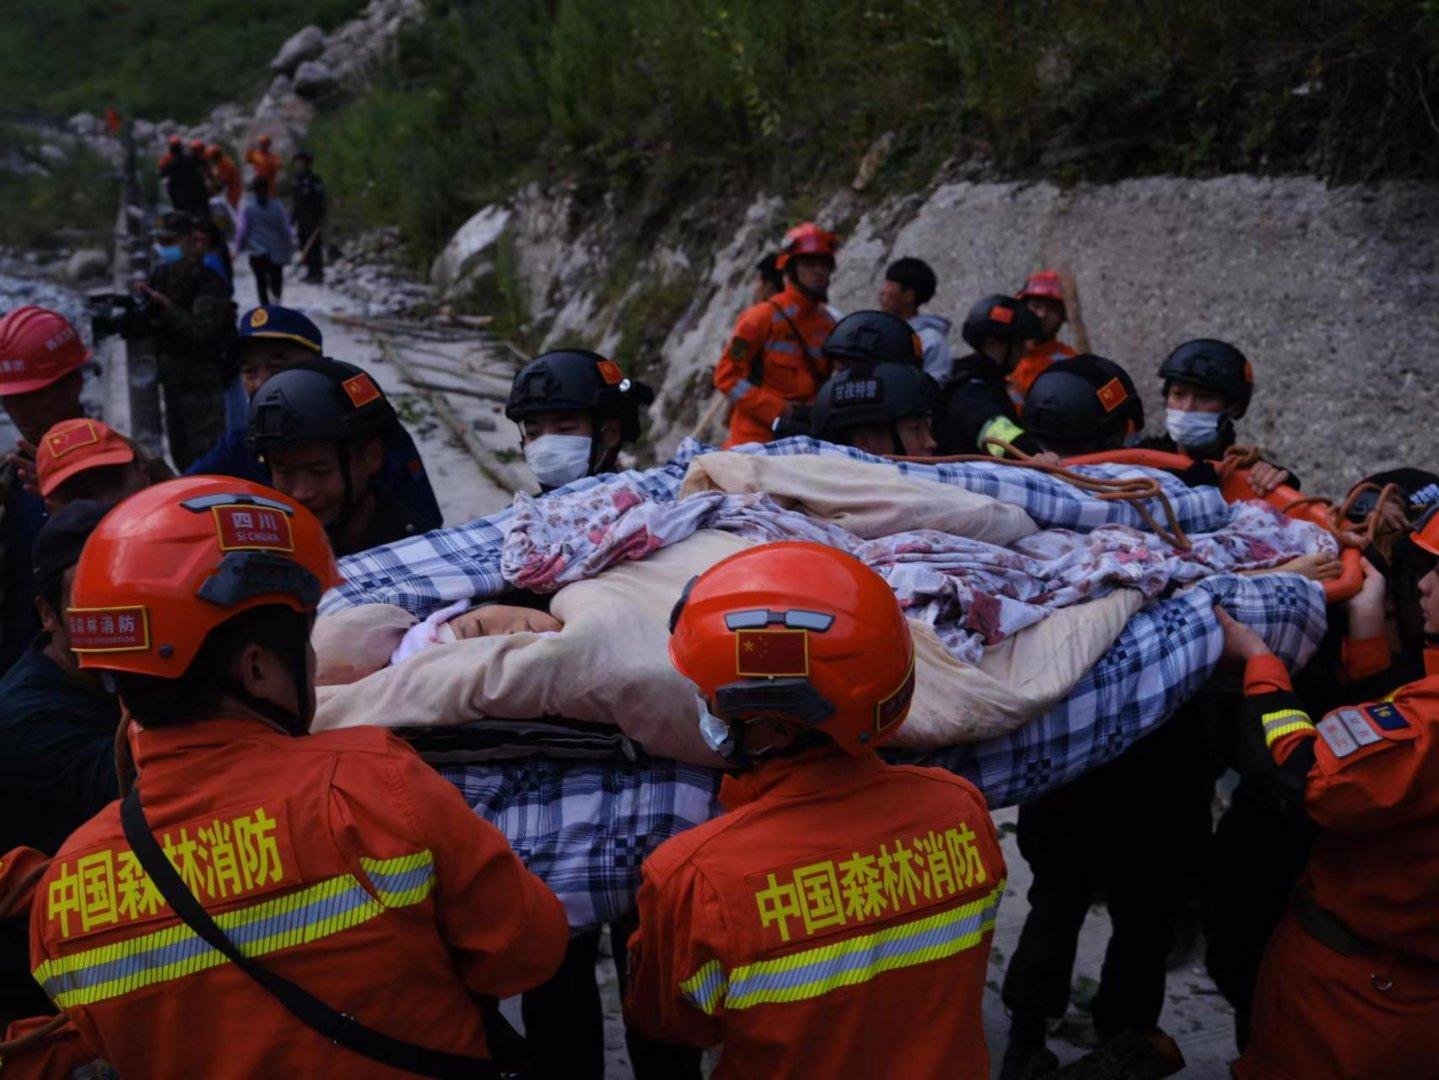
x: 1112, y: 394
x: 1001, y: 315
x: 63, y: 442
x: 610, y: 372
x: 771, y: 653
x: 100, y: 630
x: 253, y: 528
x: 361, y: 390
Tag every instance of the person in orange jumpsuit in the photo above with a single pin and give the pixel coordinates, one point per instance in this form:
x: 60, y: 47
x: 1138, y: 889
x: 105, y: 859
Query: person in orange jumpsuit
x: 259, y: 881
x: 836, y: 920
x: 1043, y: 294
x: 1349, y: 983
x: 225, y: 175
x: 264, y: 162
x: 773, y: 362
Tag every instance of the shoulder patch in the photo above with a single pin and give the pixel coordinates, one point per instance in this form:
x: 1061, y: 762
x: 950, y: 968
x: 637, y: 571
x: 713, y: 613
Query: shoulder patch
x: 1387, y: 717
x: 738, y: 347
x: 1336, y: 736
x: 1354, y: 721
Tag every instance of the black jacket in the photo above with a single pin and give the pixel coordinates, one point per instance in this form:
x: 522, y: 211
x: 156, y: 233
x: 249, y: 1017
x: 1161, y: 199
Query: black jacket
x: 974, y: 397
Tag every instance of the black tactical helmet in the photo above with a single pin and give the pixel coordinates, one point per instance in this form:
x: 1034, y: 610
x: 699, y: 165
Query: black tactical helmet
x: 1083, y: 405
x: 878, y: 396
x: 1419, y: 489
x: 872, y: 337
x: 1215, y: 365
x: 1002, y: 317
x: 318, y: 401
x: 577, y: 380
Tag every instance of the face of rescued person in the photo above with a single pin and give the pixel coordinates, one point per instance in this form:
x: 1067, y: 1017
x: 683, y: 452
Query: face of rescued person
x: 310, y: 474
x: 916, y: 438
x: 1049, y: 311
x: 1429, y: 601
x: 262, y: 357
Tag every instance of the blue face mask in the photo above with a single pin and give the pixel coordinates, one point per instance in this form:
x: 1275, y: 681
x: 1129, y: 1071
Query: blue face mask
x: 168, y: 253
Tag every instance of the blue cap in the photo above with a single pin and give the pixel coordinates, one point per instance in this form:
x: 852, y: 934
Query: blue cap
x: 286, y: 324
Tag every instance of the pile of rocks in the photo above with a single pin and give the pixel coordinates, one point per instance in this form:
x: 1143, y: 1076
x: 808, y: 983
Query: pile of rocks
x: 369, y: 269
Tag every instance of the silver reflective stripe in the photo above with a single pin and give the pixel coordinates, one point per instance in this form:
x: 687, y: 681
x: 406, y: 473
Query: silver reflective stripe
x: 739, y: 390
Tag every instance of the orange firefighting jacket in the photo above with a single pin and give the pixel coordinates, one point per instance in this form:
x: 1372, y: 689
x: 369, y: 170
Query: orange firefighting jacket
x: 1034, y: 363
x: 339, y: 860
x: 1373, y: 790
x: 789, y: 370
x: 835, y: 922
x: 265, y: 163
x: 226, y: 173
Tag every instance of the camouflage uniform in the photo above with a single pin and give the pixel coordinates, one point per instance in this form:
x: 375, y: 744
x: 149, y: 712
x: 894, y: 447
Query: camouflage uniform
x: 195, y: 346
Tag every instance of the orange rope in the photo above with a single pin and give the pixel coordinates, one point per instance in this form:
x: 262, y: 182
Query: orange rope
x: 1135, y: 490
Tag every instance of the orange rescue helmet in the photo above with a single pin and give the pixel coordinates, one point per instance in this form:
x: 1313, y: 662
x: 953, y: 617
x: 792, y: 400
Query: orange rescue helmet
x: 197, y: 146
x: 171, y: 563
x: 214, y: 152
x: 797, y: 631
x: 806, y: 239
x: 74, y: 446
x: 263, y: 142
x: 1044, y: 284
x: 37, y: 347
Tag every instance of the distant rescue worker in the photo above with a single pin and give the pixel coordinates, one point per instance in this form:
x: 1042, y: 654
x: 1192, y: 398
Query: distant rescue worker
x: 880, y: 409
x: 321, y: 428
x: 42, y: 358
x: 86, y: 459
x: 975, y: 405
x: 864, y: 338
x: 194, y: 323
x: 767, y: 278
x: 273, y: 339
x: 909, y: 284
x: 264, y: 164
x: 57, y: 740
x: 1084, y: 406
x: 773, y: 362
x: 1207, y: 387
x: 1349, y: 984
x: 264, y: 235
x: 184, y: 178
x: 326, y: 903
x: 1053, y: 301
x: 225, y: 176
x: 836, y: 920
x: 575, y: 409
x: 308, y: 202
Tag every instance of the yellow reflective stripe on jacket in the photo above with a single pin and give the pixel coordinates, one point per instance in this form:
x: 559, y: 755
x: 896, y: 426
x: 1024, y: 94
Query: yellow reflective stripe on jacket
x: 317, y: 911
x: 1284, y: 722
x: 815, y: 972
x: 1000, y: 427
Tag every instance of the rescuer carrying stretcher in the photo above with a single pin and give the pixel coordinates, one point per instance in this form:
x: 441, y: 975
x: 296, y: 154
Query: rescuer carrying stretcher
x: 836, y: 920
x: 266, y: 901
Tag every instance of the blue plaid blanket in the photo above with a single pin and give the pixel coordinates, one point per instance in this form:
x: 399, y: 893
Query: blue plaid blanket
x: 423, y: 573
x: 585, y: 828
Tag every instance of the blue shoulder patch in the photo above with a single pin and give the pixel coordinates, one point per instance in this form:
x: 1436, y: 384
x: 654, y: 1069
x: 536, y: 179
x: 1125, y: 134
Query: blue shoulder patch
x: 1387, y: 717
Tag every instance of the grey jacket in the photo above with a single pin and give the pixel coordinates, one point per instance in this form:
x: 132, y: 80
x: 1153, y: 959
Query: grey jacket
x: 265, y: 230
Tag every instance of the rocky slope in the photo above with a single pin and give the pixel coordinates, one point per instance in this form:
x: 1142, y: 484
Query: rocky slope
x: 1328, y: 290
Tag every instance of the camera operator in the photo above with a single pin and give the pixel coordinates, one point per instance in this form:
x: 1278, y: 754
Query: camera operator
x: 193, y: 319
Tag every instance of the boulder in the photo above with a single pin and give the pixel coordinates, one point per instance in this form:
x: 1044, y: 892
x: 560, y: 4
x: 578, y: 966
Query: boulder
x: 85, y: 264
x: 303, y: 45
x: 314, y: 78
x: 470, y: 252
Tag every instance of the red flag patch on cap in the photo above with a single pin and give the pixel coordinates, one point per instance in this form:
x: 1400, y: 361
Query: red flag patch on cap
x: 1112, y: 394
x: 610, y: 372
x: 118, y: 629
x: 771, y: 653
x: 360, y: 389
x: 1001, y: 315
x: 72, y: 438
x: 253, y: 528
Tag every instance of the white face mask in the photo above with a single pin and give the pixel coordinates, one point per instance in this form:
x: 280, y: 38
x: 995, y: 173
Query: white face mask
x: 1196, y: 429
x: 558, y: 459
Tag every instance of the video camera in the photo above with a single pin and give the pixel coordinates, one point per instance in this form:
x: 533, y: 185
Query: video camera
x: 120, y: 313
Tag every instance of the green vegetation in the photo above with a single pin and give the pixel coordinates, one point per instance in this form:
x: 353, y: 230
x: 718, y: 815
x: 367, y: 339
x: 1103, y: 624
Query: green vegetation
x: 152, y: 58
x: 653, y: 102
x: 53, y: 196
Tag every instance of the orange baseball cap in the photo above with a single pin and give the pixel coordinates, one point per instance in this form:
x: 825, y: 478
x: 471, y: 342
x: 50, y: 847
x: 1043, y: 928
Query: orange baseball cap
x: 72, y: 446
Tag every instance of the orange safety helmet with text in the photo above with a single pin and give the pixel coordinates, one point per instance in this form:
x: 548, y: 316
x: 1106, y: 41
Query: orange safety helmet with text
x: 806, y: 239
x: 800, y: 632
x: 171, y: 563
x: 37, y: 347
